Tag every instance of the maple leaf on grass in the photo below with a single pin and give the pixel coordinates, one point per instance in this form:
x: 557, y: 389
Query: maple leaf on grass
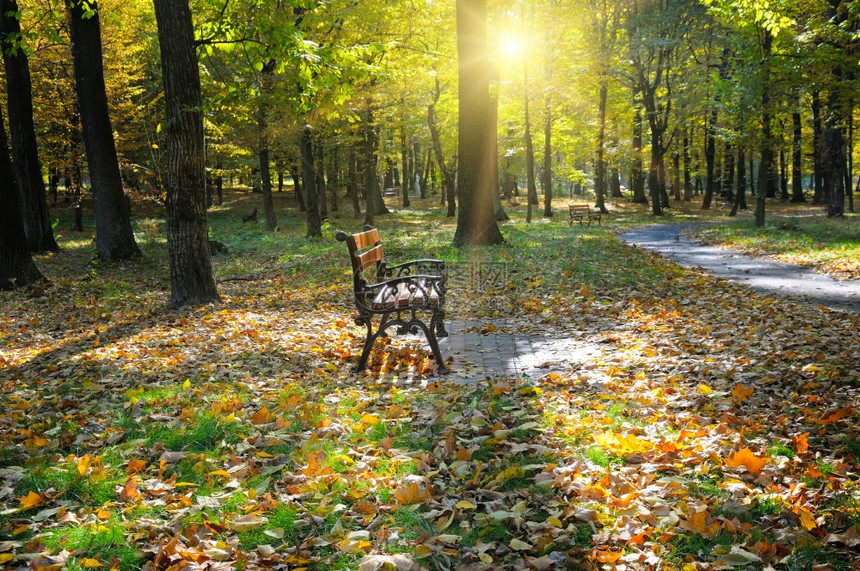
x: 747, y: 459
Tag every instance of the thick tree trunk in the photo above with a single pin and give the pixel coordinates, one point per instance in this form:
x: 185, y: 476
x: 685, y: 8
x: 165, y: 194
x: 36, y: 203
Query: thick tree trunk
x: 33, y: 202
x: 192, y: 276
x: 834, y: 155
x: 476, y: 221
x: 16, y: 264
x: 312, y: 214
x: 654, y: 173
x: 114, y: 234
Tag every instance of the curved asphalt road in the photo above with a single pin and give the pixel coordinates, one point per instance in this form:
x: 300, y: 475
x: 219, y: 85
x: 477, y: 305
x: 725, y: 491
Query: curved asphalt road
x: 761, y: 274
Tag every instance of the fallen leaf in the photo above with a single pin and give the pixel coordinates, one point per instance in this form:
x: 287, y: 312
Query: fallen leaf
x: 747, y: 459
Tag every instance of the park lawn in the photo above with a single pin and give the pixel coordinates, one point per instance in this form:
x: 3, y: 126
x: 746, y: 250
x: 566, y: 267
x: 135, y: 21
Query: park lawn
x: 716, y: 429
x: 798, y: 235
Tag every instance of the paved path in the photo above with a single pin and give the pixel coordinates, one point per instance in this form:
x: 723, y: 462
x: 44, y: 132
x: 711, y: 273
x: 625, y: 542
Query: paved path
x: 762, y: 274
x: 511, y: 351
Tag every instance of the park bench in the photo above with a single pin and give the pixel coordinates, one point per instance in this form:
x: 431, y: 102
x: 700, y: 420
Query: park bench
x: 580, y: 211
x: 401, y: 295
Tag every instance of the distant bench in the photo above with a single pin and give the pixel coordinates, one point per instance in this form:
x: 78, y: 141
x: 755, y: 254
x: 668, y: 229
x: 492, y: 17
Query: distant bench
x: 399, y: 294
x: 579, y: 212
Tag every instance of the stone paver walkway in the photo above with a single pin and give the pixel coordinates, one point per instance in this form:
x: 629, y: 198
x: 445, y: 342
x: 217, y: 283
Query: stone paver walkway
x: 507, y: 351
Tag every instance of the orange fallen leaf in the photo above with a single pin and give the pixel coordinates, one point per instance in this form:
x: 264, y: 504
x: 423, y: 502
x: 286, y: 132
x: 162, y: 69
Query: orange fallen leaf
x: 801, y: 443
x: 747, y: 459
x: 606, y: 556
x: 412, y: 493
x: 262, y: 416
x: 742, y: 393
x: 135, y: 466
x: 837, y: 415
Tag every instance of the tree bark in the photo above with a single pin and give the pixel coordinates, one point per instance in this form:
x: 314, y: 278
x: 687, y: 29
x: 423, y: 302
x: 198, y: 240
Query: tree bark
x: 547, y: 159
x: 766, y: 164
x: 448, y: 172
x: 16, y: 264
x: 33, y: 202
x: 476, y: 222
x: 796, y: 159
x: 114, y: 234
x: 599, y: 159
x: 312, y: 214
x: 637, y: 174
x: 192, y: 276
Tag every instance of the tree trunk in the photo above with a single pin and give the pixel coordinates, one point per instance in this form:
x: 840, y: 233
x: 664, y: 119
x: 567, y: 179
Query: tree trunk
x: 265, y: 168
x: 374, y: 204
x: 312, y: 214
x: 404, y: 164
x: 531, y: 194
x: 637, y: 175
x: 766, y: 165
x: 352, y: 181
x: 688, y: 184
x: 796, y: 159
x: 448, y: 173
x: 192, y: 276
x: 16, y: 264
x: 33, y: 202
x: 319, y: 177
x: 710, y: 159
x: 817, y: 150
x: 114, y: 234
x: 834, y: 156
x: 599, y: 159
x: 297, y: 187
x: 476, y: 222
x: 740, y: 202
x: 547, y: 160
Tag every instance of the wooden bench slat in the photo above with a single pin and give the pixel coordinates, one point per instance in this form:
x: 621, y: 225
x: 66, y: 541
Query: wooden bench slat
x: 369, y: 258
x: 364, y: 239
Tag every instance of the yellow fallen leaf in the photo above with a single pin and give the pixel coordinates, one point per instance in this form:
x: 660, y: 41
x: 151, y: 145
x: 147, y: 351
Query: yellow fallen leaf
x: 369, y: 420
x: 465, y: 505
x: 705, y: 389
x: 807, y: 518
x: 6, y: 557
x: 32, y: 499
x: 84, y: 464
x: 91, y: 563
